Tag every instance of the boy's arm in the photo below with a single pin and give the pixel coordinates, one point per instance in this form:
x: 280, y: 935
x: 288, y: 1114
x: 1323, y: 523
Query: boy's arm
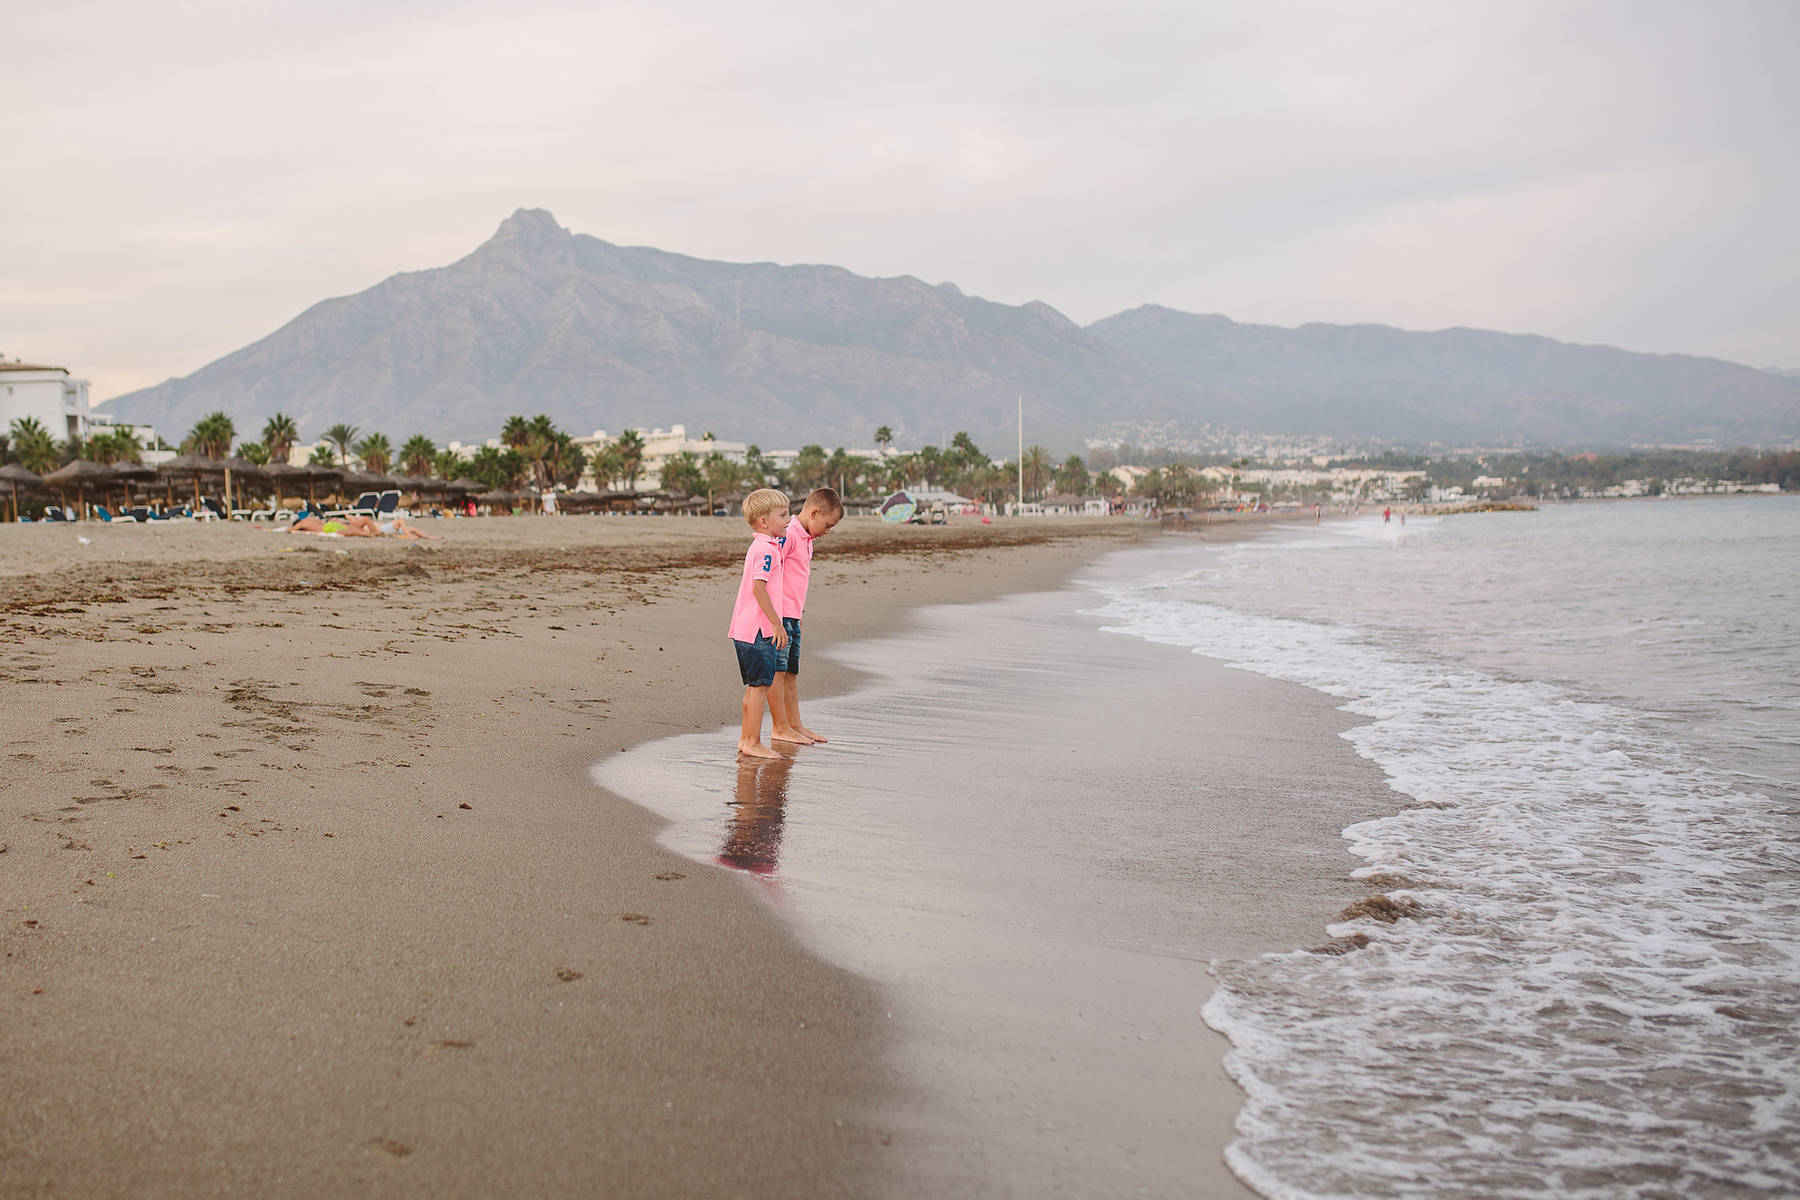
x: 760, y: 589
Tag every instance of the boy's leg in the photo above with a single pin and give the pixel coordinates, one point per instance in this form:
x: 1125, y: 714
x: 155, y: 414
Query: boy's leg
x: 793, y: 699
x: 756, y: 665
x: 750, y: 736
x: 790, y: 696
x: 783, y: 708
x: 785, y: 711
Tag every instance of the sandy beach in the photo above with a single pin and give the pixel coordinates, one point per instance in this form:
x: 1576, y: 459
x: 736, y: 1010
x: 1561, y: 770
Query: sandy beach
x: 308, y: 890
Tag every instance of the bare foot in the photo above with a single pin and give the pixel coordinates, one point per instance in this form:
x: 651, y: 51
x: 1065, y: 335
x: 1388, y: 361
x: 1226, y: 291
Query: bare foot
x: 819, y: 738
x: 791, y: 735
x: 756, y: 750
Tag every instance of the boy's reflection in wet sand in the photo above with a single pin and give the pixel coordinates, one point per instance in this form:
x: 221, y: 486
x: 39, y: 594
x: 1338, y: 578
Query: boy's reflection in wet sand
x: 753, y: 834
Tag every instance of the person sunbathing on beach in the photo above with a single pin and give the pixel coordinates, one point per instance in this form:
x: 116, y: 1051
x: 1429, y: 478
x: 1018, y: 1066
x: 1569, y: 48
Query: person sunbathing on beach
x: 357, y: 525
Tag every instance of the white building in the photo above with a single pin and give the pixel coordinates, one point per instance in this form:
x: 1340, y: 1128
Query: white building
x: 660, y: 445
x: 59, y: 403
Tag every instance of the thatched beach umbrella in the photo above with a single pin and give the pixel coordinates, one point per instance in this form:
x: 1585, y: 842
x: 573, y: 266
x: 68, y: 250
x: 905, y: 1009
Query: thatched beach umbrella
x: 280, y: 474
x: 317, y: 474
x: 127, y: 474
x: 245, y: 470
x: 14, y: 474
x: 498, y: 499
x: 187, y: 464
x: 421, y: 485
x: 361, y: 481
x: 79, y: 473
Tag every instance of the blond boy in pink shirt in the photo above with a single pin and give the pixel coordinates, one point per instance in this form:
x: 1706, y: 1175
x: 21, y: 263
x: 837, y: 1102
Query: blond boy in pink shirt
x: 823, y: 509
x: 756, y: 632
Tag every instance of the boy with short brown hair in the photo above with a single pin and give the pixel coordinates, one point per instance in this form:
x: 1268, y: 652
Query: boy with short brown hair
x: 823, y: 509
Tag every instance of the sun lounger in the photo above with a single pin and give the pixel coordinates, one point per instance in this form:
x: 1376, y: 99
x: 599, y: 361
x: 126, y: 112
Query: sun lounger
x: 257, y: 514
x: 106, y: 514
x: 365, y: 506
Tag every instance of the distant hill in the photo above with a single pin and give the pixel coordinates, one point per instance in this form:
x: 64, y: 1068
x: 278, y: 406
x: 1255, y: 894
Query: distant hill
x: 1451, y: 385
x: 599, y: 336
x: 602, y: 337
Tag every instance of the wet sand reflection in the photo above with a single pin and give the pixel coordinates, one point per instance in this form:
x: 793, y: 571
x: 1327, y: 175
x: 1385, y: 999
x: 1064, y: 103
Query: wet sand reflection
x: 753, y: 833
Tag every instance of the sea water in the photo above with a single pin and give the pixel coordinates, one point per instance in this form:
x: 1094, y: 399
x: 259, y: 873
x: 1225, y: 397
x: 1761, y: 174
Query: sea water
x: 1591, y: 716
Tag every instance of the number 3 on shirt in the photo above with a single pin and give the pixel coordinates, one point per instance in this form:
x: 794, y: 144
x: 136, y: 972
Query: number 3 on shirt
x: 768, y: 562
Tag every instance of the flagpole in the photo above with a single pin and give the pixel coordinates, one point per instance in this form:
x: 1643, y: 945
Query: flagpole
x: 1021, y: 452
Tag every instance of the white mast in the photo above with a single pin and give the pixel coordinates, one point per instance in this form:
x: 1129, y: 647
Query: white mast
x: 1021, y: 452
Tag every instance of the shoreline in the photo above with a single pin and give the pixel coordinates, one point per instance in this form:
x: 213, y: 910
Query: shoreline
x: 359, y: 918
x: 934, y: 863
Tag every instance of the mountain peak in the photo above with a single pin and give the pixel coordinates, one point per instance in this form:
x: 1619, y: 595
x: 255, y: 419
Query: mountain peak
x: 531, y: 225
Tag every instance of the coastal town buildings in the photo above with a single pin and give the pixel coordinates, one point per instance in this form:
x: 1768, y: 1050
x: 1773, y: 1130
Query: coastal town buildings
x: 46, y: 394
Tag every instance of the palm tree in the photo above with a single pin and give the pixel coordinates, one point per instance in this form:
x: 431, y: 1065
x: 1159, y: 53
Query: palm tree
x: 126, y: 447
x: 809, y: 469
x: 375, y: 453
x: 448, y: 464
x: 322, y: 457
x: 1072, y: 476
x: 342, y: 436
x: 496, y: 467
x: 1037, y: 469
x: 884, y: 437
x: 540, y: 447
x: 757, y: 465
x: 99, y: 449
x: 722, y: 475
x: 1150, y: 485
x: 926, y: 464
x: 255, y: 452
x: 564, y: 459
x: 279, y: 434
x: 212, y: 435
x: 606, y: 465
x: 514, y: 430
x: 682, y: 473
x: 630, y: 445
x: 417, y: 455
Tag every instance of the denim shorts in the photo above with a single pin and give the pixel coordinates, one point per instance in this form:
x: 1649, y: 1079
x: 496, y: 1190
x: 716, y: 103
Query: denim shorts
x: 757, y: 661
x: 789, y: 659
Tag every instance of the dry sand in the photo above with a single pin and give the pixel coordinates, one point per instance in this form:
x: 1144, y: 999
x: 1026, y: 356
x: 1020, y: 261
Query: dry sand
x: 307, y: 891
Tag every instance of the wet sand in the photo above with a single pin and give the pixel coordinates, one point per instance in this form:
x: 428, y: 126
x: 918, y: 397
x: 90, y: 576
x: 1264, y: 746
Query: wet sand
x: 1034, y: 836
x: 307, y: 889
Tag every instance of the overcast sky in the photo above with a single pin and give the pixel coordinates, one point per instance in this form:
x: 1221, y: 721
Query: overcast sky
x: 184, y: 177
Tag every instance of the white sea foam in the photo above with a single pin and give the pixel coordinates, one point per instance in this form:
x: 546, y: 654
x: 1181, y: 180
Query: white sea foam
x: 1599, y: 992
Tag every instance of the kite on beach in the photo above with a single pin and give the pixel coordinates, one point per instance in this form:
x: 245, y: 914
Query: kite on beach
x: 898, y: 508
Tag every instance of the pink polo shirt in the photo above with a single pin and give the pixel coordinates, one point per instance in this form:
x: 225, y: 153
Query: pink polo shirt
x: 761, y: 561
x: 796, y: 569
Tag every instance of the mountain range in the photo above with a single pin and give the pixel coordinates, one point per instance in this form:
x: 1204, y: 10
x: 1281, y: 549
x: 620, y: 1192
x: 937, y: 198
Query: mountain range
x: 598, y: 336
